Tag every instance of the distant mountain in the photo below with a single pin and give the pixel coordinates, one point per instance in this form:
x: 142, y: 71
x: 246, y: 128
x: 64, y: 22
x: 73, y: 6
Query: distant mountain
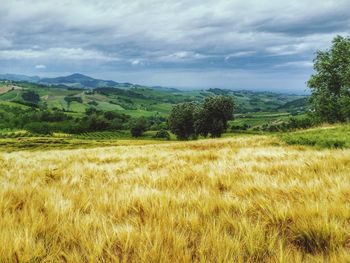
x: 19, y: 77
x: 79, y: 81
x: 165, y: 89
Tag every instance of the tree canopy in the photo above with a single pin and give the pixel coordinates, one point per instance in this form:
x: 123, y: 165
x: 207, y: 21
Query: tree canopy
x: 330, y: 85
x: 181, y: 120
x: 188, y: 120
x: 213, y: 116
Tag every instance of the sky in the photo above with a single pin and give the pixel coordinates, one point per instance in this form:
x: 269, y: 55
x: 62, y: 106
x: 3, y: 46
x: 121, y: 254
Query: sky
x: 194, y: 44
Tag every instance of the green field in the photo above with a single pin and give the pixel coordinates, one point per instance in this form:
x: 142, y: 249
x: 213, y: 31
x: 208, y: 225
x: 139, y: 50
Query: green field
x: 257, y: 119
x: 337, y: 136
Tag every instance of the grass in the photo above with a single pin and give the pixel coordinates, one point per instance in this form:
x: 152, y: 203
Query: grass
x: 242, y: 199
x: 324, y: 137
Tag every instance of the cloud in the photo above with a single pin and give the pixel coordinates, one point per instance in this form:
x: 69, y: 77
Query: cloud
x: 240, y: 54
x: 181, y: 56
x: 296, y: 64
x: 121, y: 35
x: 4, y: 42
x: 56, y: 53
x: 40, y: 66
x: 136, y: 62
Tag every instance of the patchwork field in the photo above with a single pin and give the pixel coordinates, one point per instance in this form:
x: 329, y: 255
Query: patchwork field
x: 243, y: 199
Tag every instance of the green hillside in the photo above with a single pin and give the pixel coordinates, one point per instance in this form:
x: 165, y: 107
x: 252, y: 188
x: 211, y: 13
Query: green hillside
x: 142, y: 101
x: 138, y: 101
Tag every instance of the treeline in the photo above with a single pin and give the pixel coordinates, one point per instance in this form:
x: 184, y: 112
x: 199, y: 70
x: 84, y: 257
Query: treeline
x: 293, y: 123
x: 45, y: 121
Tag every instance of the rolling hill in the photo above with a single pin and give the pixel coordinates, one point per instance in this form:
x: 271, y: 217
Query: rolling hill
x: 75, y: 93
x: 79, y: 81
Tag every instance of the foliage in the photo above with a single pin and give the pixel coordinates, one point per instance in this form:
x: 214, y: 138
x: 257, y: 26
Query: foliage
x: 31, y: 96
x: 39, y: 128
x: 70, y: 99
x: 291, y: 124
x: 330, y: 85
x: 188, y: 120
x: 213, y: 116
x: 93, y: 103
x: 181, y: 120
x: 162, y: 134
x: 139, y: 126
x: 59, y: 121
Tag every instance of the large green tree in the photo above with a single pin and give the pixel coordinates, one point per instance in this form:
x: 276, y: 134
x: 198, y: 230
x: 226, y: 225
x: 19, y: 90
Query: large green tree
x: 213, y: 116
x: 181, y: 120
x: 188, y: 120
x: 330, y: 85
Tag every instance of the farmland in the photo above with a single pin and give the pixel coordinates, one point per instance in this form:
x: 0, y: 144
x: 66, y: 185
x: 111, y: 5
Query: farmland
x: 139, y: 101
x: 245, y: 198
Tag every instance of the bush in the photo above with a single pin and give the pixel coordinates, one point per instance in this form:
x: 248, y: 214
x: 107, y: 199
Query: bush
x: 70, y: 99
x: 93, y: 103
x: 39, y: 128
x: 162, y: 134
x: 243, y: 127
x: 31, y: 96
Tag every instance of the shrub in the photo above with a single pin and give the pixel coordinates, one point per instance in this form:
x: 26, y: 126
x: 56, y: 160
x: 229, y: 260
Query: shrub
x: 93, y: 103
x: 31, y: 96
x: 39, y: 128
x: 162, y: 134
x: 70, y: 99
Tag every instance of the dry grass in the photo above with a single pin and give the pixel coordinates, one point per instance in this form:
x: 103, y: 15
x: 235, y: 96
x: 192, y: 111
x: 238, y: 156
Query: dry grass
x: 230, y: 200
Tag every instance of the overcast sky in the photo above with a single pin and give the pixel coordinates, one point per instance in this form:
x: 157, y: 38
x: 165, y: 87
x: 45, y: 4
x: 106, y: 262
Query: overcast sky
x: 237, y: 44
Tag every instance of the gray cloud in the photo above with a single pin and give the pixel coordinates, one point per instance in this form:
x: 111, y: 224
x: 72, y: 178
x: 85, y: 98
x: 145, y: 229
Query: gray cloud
x: 132, y: 38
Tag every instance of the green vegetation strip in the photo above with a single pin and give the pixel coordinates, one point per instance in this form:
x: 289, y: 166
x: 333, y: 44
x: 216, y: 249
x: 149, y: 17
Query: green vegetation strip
x: 324, y: 137
x: 50, y: 143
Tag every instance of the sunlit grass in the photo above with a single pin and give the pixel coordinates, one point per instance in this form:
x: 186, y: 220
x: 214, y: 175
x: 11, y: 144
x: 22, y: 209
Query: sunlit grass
x: 243, y: 199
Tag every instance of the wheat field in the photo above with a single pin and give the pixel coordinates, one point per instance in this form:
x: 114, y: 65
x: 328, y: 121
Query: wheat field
x: 245, y: 199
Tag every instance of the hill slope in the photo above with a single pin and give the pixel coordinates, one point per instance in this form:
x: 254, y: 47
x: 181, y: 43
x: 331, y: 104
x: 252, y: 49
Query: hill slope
x: 138, y: 100
x: 79, y: 81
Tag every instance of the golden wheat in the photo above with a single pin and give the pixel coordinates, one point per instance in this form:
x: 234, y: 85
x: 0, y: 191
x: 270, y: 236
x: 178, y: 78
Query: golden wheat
x: 246, y: 199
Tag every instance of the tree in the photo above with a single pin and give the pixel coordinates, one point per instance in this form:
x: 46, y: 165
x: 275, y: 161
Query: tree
x: 96, y: 122
x: 31, y: 96
x: 139, y: 127
x: 330, y: 85
x: 181, y: 120
x: 213, y: 116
